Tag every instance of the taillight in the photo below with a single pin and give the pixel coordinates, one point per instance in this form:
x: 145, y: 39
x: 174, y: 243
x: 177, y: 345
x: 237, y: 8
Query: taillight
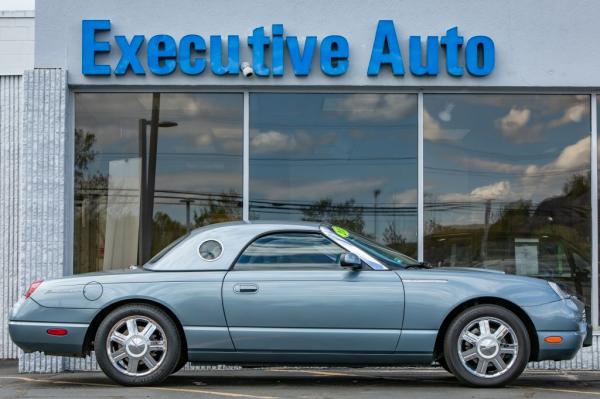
x: 34, y: 285
x: 61, y: 332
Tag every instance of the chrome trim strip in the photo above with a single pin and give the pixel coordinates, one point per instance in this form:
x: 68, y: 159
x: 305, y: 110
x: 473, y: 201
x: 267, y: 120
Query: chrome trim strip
x: 364, y: 256
x: 424, y: 280
x: 418, y: 332
x: 46, y: 324
x: 317, y: 330
x: 200, y: 328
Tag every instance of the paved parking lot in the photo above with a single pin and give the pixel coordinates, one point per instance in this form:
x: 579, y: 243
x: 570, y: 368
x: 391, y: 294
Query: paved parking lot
x: 299, y: 383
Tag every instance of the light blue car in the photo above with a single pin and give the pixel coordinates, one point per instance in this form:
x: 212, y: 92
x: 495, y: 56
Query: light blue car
x: 298, y: 294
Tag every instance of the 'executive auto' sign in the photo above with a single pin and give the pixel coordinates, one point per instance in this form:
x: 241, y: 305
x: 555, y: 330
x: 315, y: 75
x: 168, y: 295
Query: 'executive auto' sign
x: 192, y: 55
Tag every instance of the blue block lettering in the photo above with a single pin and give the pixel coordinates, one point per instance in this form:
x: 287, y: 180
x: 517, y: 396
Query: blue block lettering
x: 90, y: 46
x: 162, y: 54
x: 488, y: 58
x: 334, y: 55
x: 129, y: 52
x: 191, y: 53
x: 385, y: 38
x: 233, y: 56
x: 301, y: 62
x: 187, y: 45
x: 431, y: 67
x: 277, y: 65
x: 453, y: 42
x: 258, y: 41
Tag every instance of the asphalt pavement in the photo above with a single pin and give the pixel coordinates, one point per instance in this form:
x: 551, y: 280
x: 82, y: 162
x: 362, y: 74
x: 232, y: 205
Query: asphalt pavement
x: 280, y: 382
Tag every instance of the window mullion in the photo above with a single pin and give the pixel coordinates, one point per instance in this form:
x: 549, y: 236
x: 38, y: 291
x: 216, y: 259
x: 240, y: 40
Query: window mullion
x: 594, y: 198
x: 420, y: 191
x: 246, y: 158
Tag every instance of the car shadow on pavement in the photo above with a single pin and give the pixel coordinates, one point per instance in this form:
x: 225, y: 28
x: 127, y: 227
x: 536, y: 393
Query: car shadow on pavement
x: 339, y: 383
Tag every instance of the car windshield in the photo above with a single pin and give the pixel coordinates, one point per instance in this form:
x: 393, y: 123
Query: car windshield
x: 384, y: 254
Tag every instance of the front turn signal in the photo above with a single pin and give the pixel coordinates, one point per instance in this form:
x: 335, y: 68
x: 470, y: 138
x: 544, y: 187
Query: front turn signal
x: 553, y: 339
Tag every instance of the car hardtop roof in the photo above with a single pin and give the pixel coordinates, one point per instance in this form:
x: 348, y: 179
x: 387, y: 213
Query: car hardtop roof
x: 266, y: 224
x: 233, y: 236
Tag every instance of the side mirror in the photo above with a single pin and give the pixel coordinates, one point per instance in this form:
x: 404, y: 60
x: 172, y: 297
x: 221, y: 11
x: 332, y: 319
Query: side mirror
x: 351, y: 261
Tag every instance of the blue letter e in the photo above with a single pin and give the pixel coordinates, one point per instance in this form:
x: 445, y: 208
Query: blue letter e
x: 89, y: 46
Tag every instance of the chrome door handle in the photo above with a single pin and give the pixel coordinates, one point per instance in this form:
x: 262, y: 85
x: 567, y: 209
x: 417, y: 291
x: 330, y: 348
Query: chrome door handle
x: 245, y: 288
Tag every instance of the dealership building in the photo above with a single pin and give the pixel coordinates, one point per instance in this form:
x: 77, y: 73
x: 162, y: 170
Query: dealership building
x: 461, y: 133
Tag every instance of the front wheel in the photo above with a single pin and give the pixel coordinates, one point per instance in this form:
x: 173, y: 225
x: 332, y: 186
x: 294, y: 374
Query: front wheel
x: 444, y: 365
x: 137, y: 344
x: 486, y: 346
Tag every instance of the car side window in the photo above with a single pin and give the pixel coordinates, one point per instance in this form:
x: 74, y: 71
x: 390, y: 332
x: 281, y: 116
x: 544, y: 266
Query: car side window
x: 291, y: 251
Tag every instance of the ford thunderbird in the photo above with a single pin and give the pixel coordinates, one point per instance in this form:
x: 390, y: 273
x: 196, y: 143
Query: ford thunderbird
x: 265, y: 293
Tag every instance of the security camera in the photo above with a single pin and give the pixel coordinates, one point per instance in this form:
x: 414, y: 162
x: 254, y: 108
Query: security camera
x: 246, y: 69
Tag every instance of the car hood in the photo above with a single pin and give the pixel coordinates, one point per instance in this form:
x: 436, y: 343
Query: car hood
x: 475, y: 282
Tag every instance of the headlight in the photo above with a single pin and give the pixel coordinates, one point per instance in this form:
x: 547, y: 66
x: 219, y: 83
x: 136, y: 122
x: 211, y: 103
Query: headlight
x: 559, y: 291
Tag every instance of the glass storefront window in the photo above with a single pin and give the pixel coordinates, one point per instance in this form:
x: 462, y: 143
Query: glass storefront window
x: 348, y: 159
x: 149, y: 167
x: 506, y: 176
x: 507, y: 184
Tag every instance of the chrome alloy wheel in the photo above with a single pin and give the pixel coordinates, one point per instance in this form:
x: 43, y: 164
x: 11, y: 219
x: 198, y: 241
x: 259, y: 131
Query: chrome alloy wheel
x: 136, y: 346
x: 487, y: 347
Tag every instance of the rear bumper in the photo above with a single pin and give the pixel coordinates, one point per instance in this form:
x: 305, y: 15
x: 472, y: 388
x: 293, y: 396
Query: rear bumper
x: 33, y: 337
x: 29, y: 324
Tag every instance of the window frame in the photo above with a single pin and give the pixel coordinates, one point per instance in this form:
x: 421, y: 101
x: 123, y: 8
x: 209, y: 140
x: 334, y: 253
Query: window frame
x: 365, y: 266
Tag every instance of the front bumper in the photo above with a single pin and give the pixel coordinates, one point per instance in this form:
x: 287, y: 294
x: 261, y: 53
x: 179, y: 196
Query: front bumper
x: 588, y: 341
x: 567, y: 349
x: 564, y: 318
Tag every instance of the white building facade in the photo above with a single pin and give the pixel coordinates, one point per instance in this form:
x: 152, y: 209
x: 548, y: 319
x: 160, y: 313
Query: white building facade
x: 16, y: 52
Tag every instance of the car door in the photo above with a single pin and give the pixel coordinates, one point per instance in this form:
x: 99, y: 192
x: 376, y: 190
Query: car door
x: 288, y: 292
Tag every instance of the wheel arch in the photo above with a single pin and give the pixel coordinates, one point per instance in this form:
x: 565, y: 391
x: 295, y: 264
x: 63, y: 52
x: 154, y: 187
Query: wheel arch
x: 95, y: 323
x: 516, y: 309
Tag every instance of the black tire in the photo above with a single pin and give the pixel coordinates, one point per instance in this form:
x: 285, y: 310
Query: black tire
x: 444, y: 365
x: 135, y: 347
x: 182, y: 362
x: 485, y: 359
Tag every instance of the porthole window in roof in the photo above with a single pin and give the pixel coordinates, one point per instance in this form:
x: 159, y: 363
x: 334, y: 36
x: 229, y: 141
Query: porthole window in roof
x: 210, y: 250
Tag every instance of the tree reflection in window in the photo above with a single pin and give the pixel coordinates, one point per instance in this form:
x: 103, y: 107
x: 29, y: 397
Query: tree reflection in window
x: 507, y: 184
x: 345, y: 159
x: 198, y: 177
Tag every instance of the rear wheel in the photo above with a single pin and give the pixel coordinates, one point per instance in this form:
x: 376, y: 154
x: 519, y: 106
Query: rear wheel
x: 486, y: 346
x: 137, y: 344
x: 182, y: 362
